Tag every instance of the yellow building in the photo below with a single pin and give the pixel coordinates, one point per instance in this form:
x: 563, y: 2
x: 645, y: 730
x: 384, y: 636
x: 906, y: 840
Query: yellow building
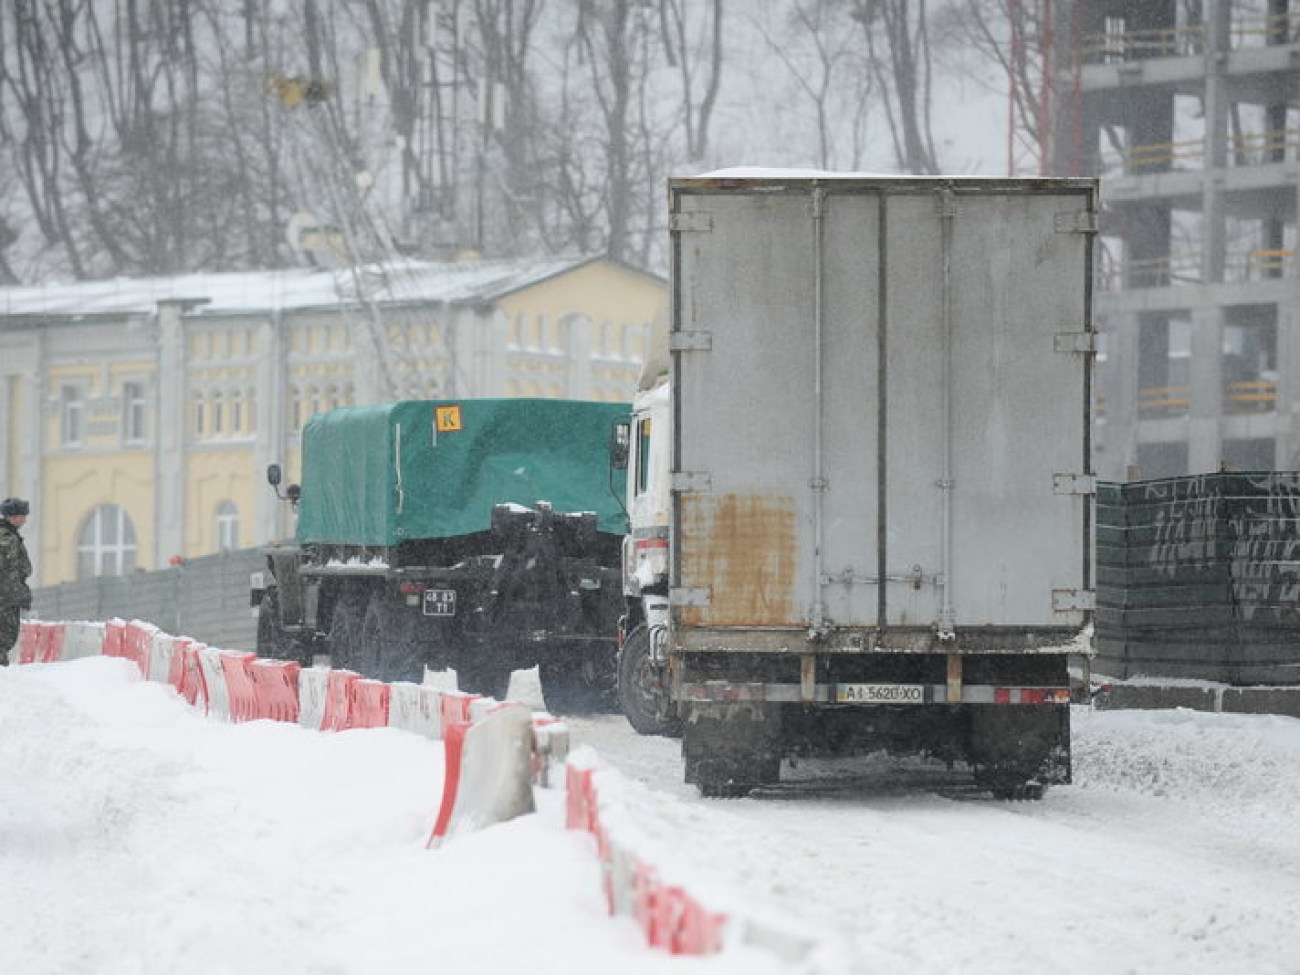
x: 140, y: 415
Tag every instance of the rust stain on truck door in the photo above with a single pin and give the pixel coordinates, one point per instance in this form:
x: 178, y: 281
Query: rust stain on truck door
x: 742, y: 549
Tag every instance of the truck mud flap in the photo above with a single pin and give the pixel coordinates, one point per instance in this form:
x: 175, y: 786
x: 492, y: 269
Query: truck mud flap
x: 1017, y: 752
x: 730, y: 750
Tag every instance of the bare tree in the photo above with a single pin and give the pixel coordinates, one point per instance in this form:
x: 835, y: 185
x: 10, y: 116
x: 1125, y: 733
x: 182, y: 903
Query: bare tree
x: 897, y: 38
x: 694, y: 49
x: 816, y: 45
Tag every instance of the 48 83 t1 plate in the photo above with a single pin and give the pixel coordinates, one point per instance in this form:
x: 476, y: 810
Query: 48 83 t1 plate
x: 440, y: 602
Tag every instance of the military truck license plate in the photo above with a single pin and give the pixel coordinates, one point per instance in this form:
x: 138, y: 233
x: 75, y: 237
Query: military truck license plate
x: 879, y: 693
x: 440, y: 602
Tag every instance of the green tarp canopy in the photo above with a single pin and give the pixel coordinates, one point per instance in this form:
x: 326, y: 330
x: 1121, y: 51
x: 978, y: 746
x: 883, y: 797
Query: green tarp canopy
x: 380, y: 475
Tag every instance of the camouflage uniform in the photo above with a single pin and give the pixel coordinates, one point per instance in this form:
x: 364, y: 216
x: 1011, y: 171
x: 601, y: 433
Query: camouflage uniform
x: 15, y: 567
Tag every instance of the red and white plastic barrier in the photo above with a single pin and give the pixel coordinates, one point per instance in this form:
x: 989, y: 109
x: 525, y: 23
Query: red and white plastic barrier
x: 417, y: 708
x: 491, y: 761
x: 276, y: 685
x: 669, y: 914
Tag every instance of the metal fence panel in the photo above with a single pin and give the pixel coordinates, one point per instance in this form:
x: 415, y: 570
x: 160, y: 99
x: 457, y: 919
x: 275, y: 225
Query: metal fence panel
x: 204, y: 598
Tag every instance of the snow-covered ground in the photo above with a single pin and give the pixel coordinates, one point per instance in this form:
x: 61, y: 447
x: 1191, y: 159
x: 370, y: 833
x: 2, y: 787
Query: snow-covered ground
x: 137, y: 837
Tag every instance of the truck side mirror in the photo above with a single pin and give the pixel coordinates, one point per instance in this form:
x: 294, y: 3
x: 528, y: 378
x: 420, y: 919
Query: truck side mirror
x: 273, y: 475
x: 293, y: 492
x: 620, y: 442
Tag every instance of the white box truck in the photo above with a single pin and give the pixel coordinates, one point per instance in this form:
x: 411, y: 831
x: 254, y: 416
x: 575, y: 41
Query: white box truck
x: 861, y: 497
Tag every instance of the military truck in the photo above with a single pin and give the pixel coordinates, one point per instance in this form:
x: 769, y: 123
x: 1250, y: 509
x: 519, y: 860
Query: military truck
x: 861, y: 490
x: 481, y: 535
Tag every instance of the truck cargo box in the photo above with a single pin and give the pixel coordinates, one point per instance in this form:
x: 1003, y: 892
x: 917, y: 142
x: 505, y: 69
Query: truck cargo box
x: 428, y: 469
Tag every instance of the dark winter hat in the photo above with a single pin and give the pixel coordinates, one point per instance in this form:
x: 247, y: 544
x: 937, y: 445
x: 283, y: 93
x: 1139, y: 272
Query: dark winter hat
x: 14, y: 506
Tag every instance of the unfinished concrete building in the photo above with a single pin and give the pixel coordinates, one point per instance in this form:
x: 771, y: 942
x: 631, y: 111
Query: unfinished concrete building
x: 1190, y: 112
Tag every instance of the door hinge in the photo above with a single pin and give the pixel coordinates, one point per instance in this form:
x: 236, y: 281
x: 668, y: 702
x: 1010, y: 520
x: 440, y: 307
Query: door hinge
x: 691, y: 222
x: 1076, y: 222
x: 681, y: 596
x: 1074, y: 483
x: 693, y: 482
x: 690, y: 341
x: 1073, y: 600
x: 1082, y: 342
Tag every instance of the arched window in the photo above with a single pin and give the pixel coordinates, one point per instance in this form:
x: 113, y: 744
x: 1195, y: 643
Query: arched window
x: 227, y: 527
x: 295, y: 410
x: 200, y: 417
x: 236, y: 412
x: 106, y: 545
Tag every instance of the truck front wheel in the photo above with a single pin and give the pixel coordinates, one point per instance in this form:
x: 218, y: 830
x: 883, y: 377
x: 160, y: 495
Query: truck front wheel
x: 643, y: 690
x: 344, y: 632
x: 386, y: 656
x: 270, y: 631
x: 273, y: 642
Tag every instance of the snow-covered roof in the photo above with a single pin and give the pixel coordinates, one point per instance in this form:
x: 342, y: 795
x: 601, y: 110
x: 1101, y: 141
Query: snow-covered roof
x: 463, y: 282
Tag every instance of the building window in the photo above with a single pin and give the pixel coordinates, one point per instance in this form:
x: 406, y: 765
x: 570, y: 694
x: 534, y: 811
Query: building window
x: 72, y: 402
x: 227, y: 527
x: 217, y: 414
x: 133, y: 413
x: 106, y: 545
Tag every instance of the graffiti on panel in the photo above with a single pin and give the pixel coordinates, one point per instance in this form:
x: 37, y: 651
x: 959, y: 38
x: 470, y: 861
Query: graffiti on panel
x: 1183, y: 527
x: 1266, y: 551
x: 1249, y: 521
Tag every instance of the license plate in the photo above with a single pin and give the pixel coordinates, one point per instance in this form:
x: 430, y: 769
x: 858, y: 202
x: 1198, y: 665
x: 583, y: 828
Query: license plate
x: 879, y: 693
x: 440, y: 602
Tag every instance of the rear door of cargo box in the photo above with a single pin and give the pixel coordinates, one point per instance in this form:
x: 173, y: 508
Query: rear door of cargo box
x: 882, y: 390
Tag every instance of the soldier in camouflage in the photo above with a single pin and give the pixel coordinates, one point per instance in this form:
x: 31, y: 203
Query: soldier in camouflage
x: 15, y: 567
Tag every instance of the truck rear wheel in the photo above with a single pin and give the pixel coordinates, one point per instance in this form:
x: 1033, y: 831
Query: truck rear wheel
x: 486, y: 677
x: 578, y: 684
x: 643, y: 691
x: 384, y: 656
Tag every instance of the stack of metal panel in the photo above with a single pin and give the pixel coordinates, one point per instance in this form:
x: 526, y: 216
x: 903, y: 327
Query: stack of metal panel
x: 1199, y: 577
